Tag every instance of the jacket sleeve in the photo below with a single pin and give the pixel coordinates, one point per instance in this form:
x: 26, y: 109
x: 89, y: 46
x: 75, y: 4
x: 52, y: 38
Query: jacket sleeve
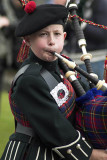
x: 33, y: 98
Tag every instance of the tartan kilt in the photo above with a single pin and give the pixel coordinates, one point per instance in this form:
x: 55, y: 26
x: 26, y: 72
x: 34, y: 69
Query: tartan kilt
x: 91, y: 121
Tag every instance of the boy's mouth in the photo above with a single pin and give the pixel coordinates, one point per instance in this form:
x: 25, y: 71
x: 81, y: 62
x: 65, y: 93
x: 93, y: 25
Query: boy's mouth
x: 49, y: 51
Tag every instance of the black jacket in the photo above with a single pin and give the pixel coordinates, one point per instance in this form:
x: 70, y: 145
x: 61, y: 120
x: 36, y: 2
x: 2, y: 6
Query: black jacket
x: 52, y: 123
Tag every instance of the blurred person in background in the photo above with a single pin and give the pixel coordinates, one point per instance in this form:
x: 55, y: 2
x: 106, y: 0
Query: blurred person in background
x: 12, y: 13
x: 4, y: 22
x: 96, y: 38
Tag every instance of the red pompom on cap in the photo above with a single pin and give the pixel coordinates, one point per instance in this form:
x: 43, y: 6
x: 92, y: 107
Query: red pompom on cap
x: 30, y: 7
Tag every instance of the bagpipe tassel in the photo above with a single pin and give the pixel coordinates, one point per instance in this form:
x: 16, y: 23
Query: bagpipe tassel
x: 23, y: 52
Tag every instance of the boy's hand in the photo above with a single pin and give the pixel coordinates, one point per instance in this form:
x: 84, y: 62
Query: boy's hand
x: 98, y: 154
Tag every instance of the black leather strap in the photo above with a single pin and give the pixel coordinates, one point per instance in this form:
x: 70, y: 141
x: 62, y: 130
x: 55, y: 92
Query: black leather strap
x: 19, y: 73
x: 24, y: 130
x: 50, y: 80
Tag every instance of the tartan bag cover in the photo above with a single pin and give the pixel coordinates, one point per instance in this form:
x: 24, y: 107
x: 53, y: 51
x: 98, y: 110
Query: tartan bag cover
x: 91, y: 118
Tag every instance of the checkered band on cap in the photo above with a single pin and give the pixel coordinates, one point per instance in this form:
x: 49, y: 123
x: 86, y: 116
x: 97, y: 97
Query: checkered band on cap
x: 24, y: 2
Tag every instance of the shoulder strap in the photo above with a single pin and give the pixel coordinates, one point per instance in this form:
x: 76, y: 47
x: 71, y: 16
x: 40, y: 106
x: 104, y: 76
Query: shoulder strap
x: 50, y: 80
x: 19, y: 73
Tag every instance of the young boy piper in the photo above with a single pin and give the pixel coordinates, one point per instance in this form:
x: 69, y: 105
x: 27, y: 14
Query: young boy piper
x: 41, y: 100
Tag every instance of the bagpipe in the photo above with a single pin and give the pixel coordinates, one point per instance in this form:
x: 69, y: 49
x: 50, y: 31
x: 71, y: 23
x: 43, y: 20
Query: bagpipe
x: 91, y: 114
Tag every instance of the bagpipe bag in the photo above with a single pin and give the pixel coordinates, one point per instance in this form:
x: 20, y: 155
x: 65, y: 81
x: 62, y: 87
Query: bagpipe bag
x: 91, y: 117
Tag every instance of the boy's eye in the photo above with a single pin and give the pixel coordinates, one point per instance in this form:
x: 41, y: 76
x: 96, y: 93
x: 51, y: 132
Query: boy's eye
x: 57, y: 33
x: 43, y: 34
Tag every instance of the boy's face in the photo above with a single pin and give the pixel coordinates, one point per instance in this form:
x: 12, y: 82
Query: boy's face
x: 49, y: 39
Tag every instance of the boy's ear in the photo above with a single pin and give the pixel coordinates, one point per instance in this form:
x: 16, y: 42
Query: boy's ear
x: 27, y: 40
x: 65, y: 34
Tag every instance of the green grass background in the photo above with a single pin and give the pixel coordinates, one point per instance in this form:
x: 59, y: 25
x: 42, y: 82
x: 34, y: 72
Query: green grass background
x: 6, y: 121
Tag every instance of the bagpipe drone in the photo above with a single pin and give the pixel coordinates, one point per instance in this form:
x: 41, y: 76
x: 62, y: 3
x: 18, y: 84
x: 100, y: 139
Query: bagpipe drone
x: 91, y: 115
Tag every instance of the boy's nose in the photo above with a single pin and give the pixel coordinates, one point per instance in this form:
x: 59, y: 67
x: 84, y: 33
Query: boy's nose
x: 51, y: 40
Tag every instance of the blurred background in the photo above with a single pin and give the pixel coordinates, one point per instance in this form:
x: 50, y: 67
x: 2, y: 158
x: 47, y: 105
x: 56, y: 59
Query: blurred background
x: 10, y: 14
